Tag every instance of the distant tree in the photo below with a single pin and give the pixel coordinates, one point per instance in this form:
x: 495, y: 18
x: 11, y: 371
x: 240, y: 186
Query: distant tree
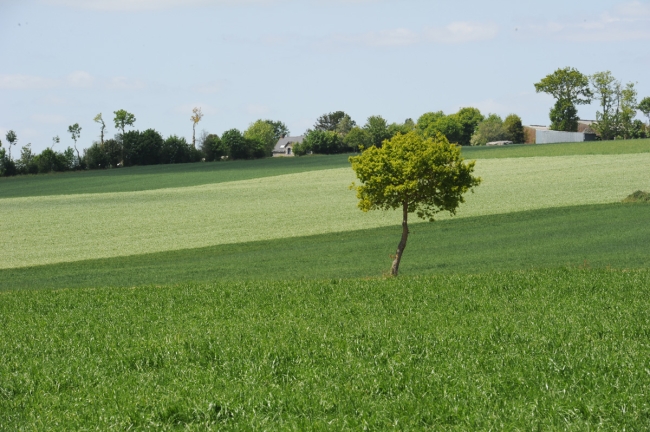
x: 330, y: 121
x: 490, y: 129
x: 175, y: 150
x: 239, y: 147
x: 564, y: 116
x: 644, y: 107
x: 514, y: 128
x: 214, y: 148
x: 403, y: 128
x: 428, y: 120
x: 143, y: 148
x: 345, y: 125
x: 378, y: 130
x: 608, y: 90
x: 629, y: 107
x: 55, y: 141
x: 415, y: 174
x: 12, y: 139
x: 98, y: 119
x: 322, y: 142
x: 468, y: 118
x: 197, y: 115
x: 357, y: 139
x: 279, y: 129
x: 25, y: 164
x: 263, y: 134
x: 122, y: 120
x: 75, y: 132
x: 570, y: 88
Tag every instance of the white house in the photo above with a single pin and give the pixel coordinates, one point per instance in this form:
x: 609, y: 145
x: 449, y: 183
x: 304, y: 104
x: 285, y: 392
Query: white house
x: 284, y: 146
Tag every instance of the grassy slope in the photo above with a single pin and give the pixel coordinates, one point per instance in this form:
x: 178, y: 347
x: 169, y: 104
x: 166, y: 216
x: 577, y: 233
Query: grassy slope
x: 161, y: 176
x: 184, y: 175
x: 601, y: 235
x: 550, y: 350
x: 43, y: 230
x: 563, y: 149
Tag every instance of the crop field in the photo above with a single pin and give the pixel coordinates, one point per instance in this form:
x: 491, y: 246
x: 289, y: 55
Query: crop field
x: 63, y: 228
x: 251, y: 295
x: 541, y: 350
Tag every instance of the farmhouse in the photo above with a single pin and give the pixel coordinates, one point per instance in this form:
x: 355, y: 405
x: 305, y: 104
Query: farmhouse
x: 284, y: 146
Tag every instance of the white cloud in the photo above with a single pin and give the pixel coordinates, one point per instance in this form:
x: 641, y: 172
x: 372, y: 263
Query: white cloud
x: 48, y: 118
x: 627, y: 22
x: 80, y: 79
x: 454, y: 33
x: 26, y: 82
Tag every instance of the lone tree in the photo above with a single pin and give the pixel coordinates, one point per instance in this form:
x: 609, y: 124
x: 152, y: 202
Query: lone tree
x: 12, y: 139
x: 569, y: 87
x: 197, y: 115
x: 75, y: 132
x: 419, y: 175
x: 98, y: 119
x: 644, y: 107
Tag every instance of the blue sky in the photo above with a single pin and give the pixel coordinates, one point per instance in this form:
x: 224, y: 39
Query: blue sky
x: 64, y: 61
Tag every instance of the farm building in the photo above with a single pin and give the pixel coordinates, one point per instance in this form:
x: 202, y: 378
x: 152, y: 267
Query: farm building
x: 284, y: 146
x: 543, y: 135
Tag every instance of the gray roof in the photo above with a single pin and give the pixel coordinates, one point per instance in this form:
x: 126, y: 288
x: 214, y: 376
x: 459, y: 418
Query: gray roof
x: 281, y: 145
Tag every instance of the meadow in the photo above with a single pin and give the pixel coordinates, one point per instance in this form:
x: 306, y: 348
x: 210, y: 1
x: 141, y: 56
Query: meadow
x: 252, y: 295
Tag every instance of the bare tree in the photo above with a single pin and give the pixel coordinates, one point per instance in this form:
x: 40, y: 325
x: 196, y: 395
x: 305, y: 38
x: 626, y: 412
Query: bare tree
x: 197, y: 115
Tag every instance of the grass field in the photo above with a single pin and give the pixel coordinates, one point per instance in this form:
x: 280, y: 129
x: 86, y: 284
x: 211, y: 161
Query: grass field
x: 251, y: 295
x: 599, y: 236
x: 50, y: 229
x: 538, y: 350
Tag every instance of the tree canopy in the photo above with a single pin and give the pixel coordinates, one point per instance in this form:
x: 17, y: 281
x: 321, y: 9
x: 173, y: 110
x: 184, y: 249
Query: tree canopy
x: 415, y: 174
x: 566, y: 84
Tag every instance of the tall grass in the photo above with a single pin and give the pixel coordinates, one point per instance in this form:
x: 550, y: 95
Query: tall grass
x: 549, y: 350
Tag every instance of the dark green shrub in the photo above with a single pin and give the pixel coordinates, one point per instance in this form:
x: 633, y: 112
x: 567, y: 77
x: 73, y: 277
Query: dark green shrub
x: 514, y: 128
x: 175, y: 150
x: 564, y: 116
x: 324, y: 142
x: 142, y: 148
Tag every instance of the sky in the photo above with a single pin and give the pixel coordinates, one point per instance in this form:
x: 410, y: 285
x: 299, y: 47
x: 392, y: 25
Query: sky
x: 65, y: 61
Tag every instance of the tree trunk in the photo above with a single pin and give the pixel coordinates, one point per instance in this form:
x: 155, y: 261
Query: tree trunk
x: 193, y: 135
x: 402, y: 244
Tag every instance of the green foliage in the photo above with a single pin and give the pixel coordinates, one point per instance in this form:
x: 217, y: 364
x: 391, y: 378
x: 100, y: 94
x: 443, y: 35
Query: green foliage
x: 143, y: 148
x: 515, y: 128
x: 279, y: 129
x: 564, y: 116
x: 7, y: 166
x: 566, y: 84
x: 377, y: 127
x: 629, y: 106
x: 321, y: 142
x: 608, y: 90
x: 75, y: 132
x: 644, y: 107
x: 177, y: 150
x: 213, y: 148
x: 332, y: 122
x: 238, y: 146
x: 123, y: 119
x: 549, y: 350
x: 469, y: 119
x: 490, y: 129
x: 12, y: 138
x: 425, y: 176
x: 51, y: 161
x: 357, y: 139
x: 263, y: 134
x: 432, y: 124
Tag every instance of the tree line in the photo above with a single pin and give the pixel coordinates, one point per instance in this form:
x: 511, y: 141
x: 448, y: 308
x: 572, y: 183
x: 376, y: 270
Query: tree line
x: 618, y: 104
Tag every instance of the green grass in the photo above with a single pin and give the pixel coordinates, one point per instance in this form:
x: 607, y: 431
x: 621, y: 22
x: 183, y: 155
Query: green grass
x: 186, y: 175
x: 46, y: 230
x: 614, y: 235
x: 563, y: 149
x: 537, y: 350
x: 161, y: 176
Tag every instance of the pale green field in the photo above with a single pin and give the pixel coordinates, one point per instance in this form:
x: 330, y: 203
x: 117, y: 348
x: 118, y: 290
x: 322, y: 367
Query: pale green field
x: 50, y: 229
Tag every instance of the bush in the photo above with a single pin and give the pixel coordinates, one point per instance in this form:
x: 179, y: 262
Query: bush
x: 176, y: 150
x: 356, y: 140
x: 51, y: 161
x: 514, y: 128
x: 324, y: 142
x: 142, y: 148
x: 240, y: 147
x: 213, y: 148
x: 638, y: 197
x: 564, y: 116
x: 432, y: 123
x: 7, y: 166
x: 469, y: 119
x: 490, y: 129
